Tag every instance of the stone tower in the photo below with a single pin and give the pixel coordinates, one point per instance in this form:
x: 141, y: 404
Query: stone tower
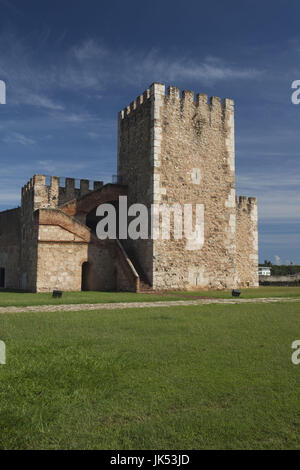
x: 173, y: 149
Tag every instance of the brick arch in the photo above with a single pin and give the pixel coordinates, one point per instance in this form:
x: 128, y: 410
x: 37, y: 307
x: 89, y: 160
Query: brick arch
x: 83, y: 206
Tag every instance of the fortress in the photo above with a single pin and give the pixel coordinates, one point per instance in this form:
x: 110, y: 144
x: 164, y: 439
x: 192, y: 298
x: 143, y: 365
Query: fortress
x: 172, y: 149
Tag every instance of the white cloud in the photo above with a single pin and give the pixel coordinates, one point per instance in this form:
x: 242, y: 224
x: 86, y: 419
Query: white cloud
x: 94, y: 135
x: 17, y: 138
x: 40, y: 101
x: 207, y: 70
x: 89, y: 50
x: 54, y: 167
x: 277, y: 259
x: 284, y: 206
x: 75, y: 117
x: 278, y: 194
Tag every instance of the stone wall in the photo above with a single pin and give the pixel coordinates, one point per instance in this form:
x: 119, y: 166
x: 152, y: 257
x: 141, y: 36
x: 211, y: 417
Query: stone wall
x: 193, y: 163
x: 288, y: 280
x: 32, y: 199
x: 247, y: 242
x: 135, y: 168
x: 81, y: 207
x: 64, y: 244
x: 51, y: 192
x: 45, y: 250
x: 101, y: 258
x: 127, y: 279
x: 179, y: 149
x: 10, y: 241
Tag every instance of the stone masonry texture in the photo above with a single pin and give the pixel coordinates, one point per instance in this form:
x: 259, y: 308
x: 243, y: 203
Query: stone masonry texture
x: 179, y: 149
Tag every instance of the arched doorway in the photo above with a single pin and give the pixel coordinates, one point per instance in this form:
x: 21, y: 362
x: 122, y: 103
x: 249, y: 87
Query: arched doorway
x: 84, y: 276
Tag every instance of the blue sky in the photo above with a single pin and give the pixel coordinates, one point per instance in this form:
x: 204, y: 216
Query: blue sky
x: 70, y: 66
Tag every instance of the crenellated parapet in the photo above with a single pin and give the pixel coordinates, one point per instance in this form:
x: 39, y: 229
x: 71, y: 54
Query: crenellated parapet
x: 135, y: 105
x: 244, y: 203
x: 49, y: 192
x: 186, y: 101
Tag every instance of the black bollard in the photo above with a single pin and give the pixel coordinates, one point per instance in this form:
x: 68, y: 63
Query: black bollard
x: 57, y: 294
x: 236, y: 293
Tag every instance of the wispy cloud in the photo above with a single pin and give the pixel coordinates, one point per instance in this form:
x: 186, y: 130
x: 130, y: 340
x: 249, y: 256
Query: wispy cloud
x: 101, y: 64
x: 41, y: 101
x: 89, y: 50
x: 78, y: 117
x: 277, y: 259
x: 278, y: 194
x: 207, y: 70
x: 94, y: 135
x: 258, y: 181
x: 58, y: 168
x: 90, y: 66
x: 16, y: 138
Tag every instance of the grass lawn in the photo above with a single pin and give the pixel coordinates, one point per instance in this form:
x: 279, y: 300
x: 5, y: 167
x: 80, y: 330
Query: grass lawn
x: 250, y: 293
x: 211, y: 376
x: 25, y: 299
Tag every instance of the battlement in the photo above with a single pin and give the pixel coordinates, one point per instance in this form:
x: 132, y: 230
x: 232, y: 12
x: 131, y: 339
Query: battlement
x: 52, y: 191
x: 140, y: 100
x: 247, y: 203
x: 182, y: 99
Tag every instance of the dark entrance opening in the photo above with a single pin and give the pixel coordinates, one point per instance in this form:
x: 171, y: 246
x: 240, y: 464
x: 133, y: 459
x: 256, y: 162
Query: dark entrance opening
x: 84, y: 276
x: 2, y: 277
x: 92, y: 219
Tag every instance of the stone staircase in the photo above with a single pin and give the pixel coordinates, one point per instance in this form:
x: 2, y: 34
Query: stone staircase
x: 144, y: 283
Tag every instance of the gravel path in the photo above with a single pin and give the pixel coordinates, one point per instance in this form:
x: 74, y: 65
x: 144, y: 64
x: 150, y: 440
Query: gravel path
x: 123, y: 305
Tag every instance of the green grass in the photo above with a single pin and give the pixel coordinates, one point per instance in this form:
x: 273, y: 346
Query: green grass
x: 205, y: 377
x: 250, y: 293
x: 24, y: 299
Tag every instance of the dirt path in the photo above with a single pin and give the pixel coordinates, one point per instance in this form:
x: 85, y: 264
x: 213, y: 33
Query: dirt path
x: 123, y: 305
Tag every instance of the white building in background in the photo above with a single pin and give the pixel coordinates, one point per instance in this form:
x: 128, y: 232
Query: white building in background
x: 264, y: 271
